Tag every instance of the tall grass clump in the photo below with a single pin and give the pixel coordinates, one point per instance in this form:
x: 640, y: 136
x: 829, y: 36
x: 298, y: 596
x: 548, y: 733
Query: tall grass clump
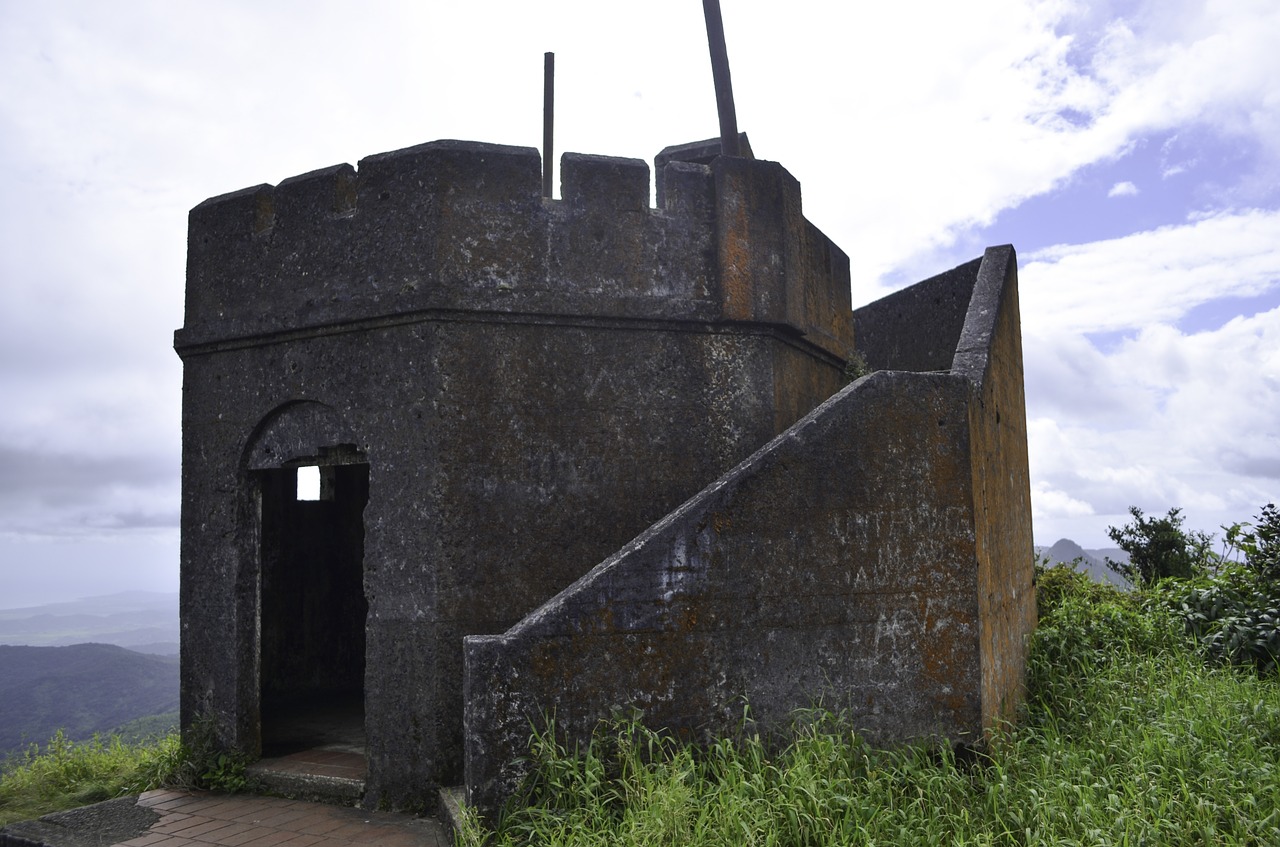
x: 1127, y: 737
x: 64, y: 774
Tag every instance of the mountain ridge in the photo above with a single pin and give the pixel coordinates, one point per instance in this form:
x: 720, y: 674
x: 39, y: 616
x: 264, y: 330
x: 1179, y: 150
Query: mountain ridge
x: 81, y: 689
x: 145, y: 621
x: 1092, y: 562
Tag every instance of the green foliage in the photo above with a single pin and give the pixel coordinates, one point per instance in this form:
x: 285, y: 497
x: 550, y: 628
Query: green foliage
x: 1057, y: 583
x: 205, y: 764
x: 856, y: 367
x: 65, y: 774
x: 1128, y: 737
x: 1260, y: 545
x: 1234, y: 615
x: 1084, y: 624
x: 1159, y: 548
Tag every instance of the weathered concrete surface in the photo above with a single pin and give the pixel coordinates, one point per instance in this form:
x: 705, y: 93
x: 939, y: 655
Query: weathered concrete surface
x: 515, y: 385
x: 918, y: 328
x: 109, y: 822
x: 989, y: 354
x: 875, y: 557
x: 461, y: 225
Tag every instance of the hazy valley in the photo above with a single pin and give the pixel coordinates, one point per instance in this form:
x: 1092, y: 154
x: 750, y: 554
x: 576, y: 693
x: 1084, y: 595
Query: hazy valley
x: 87, y: 666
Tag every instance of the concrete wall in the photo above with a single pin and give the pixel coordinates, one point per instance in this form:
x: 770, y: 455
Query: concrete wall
x: 875, y: 557
x: 529, y: 382
x: 989, y: 354
x: 917, y: 328
x: 455, y: 225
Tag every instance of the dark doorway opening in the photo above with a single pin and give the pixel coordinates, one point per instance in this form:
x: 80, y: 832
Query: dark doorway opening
x: 312, y: 625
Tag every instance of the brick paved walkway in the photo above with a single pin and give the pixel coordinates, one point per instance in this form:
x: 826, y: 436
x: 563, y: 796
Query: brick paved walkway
x: 203, y: 819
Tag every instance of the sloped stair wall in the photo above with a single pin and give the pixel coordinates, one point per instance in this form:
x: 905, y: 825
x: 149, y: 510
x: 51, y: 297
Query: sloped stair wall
x: 869, y: 558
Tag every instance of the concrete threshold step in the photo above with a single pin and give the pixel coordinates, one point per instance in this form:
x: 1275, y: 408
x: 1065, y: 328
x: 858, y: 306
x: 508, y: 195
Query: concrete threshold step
x: 319, y: 775
x: 453, y: 800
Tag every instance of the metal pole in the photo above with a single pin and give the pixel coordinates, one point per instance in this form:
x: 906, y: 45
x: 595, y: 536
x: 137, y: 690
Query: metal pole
x: 548, y: 118
x: 720, y: 75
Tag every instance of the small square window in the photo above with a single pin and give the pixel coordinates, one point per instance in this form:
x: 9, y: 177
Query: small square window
x: 309, y: 483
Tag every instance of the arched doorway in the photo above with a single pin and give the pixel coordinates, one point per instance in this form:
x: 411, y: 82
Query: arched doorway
x: 313, y: 609
x: 305, y: 564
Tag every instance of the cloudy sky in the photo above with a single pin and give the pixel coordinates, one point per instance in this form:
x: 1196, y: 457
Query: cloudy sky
x: 1129, y: 150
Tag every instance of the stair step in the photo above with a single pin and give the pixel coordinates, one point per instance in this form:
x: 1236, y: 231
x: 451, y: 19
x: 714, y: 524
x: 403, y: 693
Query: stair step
x: 325, y: 776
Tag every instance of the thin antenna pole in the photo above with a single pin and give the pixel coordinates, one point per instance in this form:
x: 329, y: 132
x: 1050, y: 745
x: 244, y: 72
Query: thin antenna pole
x: 720, y: 75
x: 548, y: 118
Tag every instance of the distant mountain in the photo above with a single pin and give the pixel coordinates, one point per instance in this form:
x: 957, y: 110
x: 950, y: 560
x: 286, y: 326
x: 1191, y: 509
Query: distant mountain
x: 1092, y: 562
x: 144, y: 621
x: 81, y: 689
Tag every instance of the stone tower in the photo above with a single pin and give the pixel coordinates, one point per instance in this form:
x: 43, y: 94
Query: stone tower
x: 509, y: 399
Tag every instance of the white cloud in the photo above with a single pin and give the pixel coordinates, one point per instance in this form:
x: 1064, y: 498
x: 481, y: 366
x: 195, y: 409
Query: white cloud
x: 1150, y: 277
x: 1199, y: 434
x: 1022, y: 126
x: 1050, y: 502
x: 1123, y: 189
x: 909, y: 124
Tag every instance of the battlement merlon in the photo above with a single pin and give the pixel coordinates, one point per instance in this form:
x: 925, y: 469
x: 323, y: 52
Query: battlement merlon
x: 453, y: 225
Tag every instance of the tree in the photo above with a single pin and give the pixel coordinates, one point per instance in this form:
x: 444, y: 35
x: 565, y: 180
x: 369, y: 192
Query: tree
x: 1159, y: 548
x: 1260, y: 544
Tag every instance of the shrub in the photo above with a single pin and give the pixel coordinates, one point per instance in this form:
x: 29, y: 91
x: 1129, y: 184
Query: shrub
x: 64, y: 774
x: 203, y: 764
x: 1259, y: 544
x: 1057, y: 583
x: 1159, y: 548
x: 1234, y: 618
x: 1234, y: 613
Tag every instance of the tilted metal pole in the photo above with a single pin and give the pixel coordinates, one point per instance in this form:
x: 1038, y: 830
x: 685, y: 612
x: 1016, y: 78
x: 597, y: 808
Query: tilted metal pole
x: 548, y: 118
x: 720, y: 75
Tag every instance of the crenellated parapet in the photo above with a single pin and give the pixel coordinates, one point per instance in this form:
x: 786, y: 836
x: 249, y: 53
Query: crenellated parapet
x: 462, y: 226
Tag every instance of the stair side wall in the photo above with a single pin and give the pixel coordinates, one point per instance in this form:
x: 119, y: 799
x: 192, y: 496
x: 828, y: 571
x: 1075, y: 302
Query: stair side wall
x: 835, y: 566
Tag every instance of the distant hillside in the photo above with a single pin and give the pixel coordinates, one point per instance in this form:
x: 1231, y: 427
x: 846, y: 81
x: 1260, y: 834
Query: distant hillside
x: 82, y: 689
x: 144, y: 621
x: 1092, y: 562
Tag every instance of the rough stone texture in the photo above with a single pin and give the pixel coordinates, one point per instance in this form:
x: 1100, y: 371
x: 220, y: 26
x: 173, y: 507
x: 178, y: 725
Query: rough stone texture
x: 941, y: 324
x: 109, y: 822
x: 505, y: 392
x: 876, y: 557
x: 989, y: 354
x: 503, y: 388
x: 918, y: 328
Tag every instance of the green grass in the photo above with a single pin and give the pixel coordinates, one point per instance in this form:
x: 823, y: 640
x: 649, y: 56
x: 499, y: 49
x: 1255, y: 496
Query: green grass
x: 64, y: 774
x: 1128, y: 737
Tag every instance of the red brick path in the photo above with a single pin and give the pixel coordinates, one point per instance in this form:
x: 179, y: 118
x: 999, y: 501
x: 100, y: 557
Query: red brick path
x: 202, y: 819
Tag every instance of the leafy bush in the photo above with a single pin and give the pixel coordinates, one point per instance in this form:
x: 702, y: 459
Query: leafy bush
x: 856, y: 367
x: 1260, y: 545
x: 1233, y: 616
x: 1080, y: 620
x: 1057, y: 583
x: 204, y: 764
x: 1233, y: 610
x: 1159, y: 548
